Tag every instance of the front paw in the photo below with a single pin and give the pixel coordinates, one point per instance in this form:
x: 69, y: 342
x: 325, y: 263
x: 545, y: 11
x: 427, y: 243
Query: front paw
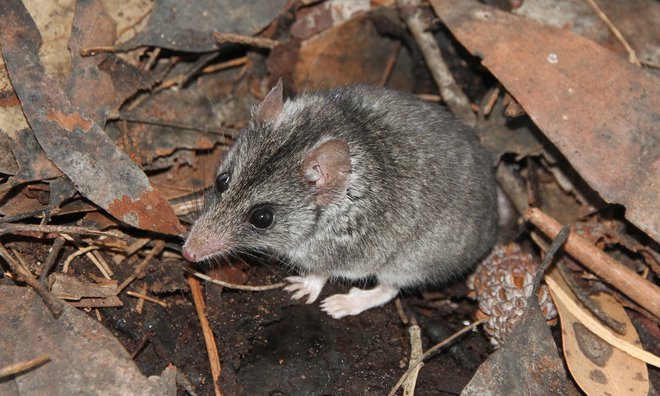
x: 309, y: 285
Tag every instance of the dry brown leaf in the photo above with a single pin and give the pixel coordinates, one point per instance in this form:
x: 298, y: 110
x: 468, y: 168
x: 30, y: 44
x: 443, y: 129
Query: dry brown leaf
x: 85, y: 358
x: 326, y: 60
x: 598, y: 367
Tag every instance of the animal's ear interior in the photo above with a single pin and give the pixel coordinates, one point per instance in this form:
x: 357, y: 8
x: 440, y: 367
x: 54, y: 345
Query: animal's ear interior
x: 271, y: 107
x: 327, y: 167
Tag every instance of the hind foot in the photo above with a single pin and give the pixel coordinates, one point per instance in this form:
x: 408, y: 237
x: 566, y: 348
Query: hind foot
x: 358, y: 300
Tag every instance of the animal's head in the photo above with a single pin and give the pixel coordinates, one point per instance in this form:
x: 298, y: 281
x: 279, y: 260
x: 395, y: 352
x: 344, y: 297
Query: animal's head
x: 274, y: 181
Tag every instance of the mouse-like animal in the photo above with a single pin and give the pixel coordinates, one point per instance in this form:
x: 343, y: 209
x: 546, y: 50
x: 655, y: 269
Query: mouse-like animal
x: 354, y: 182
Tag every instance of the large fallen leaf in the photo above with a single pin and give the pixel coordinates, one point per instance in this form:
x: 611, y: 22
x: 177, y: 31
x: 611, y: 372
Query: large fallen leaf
x: 636, y: 19
x: 85, y: 358
x: 597, y: 366
x: 598, y: 109
x: 189, y: 25
x: 71, y: 139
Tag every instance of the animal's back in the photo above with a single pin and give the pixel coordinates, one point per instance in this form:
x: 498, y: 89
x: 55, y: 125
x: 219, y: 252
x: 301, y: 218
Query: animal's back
x: 422, y: 199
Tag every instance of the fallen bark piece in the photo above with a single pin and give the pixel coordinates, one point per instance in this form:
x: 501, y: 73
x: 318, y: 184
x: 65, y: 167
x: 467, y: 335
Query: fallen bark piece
x: 598, y: 109
x: 71, y: 139
x: 85, y: 295
x: 85, y: 358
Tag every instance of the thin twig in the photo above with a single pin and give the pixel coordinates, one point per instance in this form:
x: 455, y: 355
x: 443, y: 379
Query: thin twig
x: 148, y: 298
x: 99, y: 50
x: 431, y: 350
x: 402, y: 313
x: 415, y: 356
x: 233, y: 285
x: 211, y: 348
x: 50, y: 260
x: 140, y: 303
x: 225, y: 65
x: 11, y: 228
x: 102, y: 263
x: 75, y: 254
x: 488, y: 107
x: 153, y: 56
x: 389, y: 66
x: 449, y: 90
x: 590, y: 304
x: 55, y: 306
x: 260, y: 42
x: 429, y: 97
x: 17, y: 368
x: 88, y: 252
x: 550, y: 254
x: 140, y: 268
x: 632, y: 57
x: 22, y: 216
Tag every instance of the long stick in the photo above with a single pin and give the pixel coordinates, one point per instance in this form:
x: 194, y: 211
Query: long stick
x: 211, y: 348
x: 609, y: 270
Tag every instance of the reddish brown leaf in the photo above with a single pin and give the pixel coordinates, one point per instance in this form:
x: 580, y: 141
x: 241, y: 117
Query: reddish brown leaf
x: 598, y: 109
x: 87, y: 87
x: 71, y: 139
x: 327, y: 60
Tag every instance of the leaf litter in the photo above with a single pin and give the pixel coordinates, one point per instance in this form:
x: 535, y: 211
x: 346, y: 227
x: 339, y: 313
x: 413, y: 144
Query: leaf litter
x: 127, y: 139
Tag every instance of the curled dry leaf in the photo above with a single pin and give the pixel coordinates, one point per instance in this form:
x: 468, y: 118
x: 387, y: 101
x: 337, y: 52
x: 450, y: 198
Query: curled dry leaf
x: 598, y: 367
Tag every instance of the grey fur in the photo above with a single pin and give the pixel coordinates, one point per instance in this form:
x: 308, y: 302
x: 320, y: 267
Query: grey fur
x: 421, y: 200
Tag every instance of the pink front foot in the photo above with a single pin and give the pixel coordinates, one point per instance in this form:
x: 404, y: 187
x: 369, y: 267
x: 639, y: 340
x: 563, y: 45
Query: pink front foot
x: 306, y: 285
x: 358, y: 300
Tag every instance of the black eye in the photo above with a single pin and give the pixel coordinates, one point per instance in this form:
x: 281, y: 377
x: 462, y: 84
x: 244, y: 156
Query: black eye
x: 222, y: 182
x: 261, y: 217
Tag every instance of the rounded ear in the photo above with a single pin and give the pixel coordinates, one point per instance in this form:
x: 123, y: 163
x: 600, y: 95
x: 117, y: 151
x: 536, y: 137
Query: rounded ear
x: 327, y: 167
x: 271, y: 107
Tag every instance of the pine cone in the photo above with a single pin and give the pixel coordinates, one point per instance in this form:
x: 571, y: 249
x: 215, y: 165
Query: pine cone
x: 501, y: 284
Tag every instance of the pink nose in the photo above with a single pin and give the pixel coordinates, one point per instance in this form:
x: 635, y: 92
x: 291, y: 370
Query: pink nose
x: 188, y: 255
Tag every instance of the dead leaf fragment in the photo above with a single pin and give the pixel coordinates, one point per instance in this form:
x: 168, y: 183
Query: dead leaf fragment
x: 526, y: 364
x: 69, y: 288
